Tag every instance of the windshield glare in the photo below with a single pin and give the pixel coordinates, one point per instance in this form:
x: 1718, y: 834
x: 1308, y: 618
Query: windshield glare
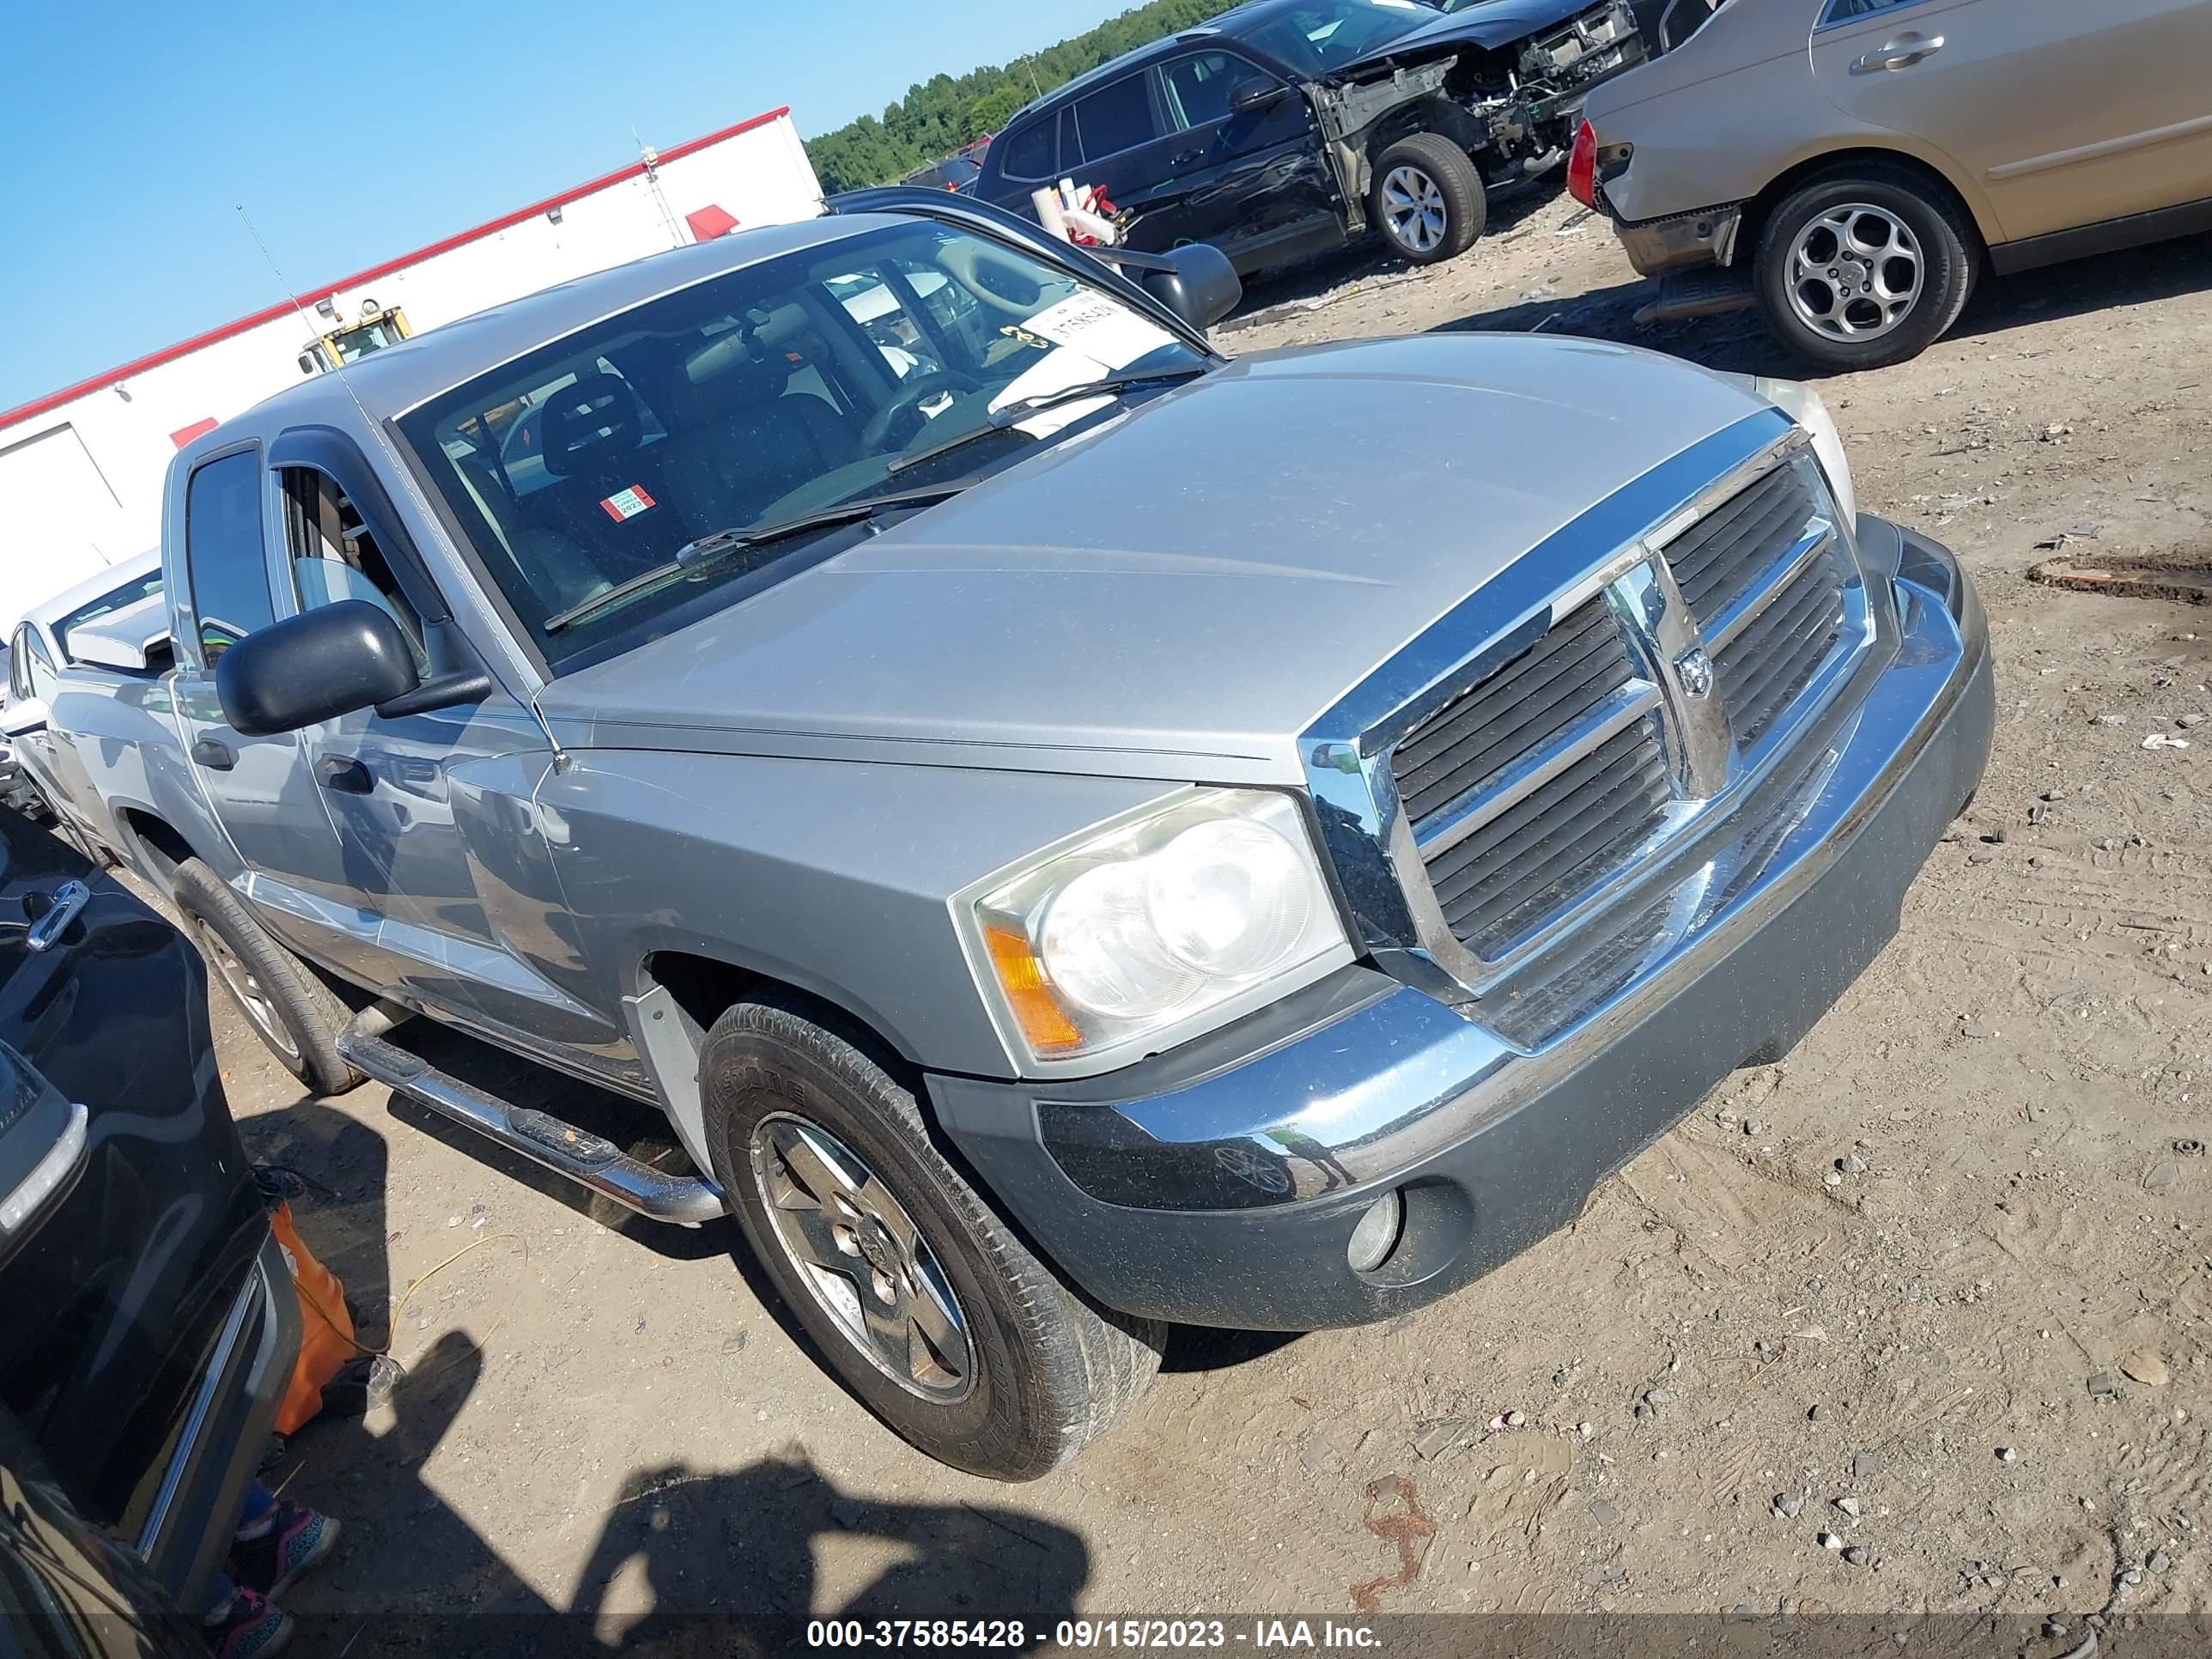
x: 1318, y: 38
x: 771, y: 392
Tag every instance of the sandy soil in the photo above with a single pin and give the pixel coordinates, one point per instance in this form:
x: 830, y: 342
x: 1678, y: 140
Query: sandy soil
x: 1986, y: 1329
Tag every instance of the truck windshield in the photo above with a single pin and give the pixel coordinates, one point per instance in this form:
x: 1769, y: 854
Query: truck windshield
x: 1320, y: 37
x: 770, y: 393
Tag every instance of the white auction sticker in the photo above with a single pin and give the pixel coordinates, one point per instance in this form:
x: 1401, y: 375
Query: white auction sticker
x: 627, y: 503
x: 1101, y: 329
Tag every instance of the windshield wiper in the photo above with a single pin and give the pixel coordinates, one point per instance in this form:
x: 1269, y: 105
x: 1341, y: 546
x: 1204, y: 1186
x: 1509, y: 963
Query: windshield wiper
x: 695, y: 557
x: 1008, y: 415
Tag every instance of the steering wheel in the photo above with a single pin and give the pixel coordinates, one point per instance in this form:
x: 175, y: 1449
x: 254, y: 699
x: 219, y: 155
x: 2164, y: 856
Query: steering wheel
x: 908, y: 402
x: 978, y: 266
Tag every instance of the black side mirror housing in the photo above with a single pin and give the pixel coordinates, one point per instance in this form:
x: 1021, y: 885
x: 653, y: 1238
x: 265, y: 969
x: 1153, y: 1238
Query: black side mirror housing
x: 315, y: 666
x: 1201, y: 289
x: 1256, y: 93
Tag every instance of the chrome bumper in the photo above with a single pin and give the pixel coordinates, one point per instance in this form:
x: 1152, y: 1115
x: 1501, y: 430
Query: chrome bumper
x: 1219, y: 1184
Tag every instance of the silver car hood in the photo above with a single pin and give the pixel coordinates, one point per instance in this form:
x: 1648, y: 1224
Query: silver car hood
x: 1178, y: 592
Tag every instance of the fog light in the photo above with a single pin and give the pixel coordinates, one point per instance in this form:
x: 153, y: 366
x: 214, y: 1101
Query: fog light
x: 1376, y: 1235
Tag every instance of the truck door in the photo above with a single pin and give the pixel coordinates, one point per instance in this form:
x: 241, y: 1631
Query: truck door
x: 2066, y: 114
x: 1252, y: 181
x: 425, y: 810
x: 256, y: 787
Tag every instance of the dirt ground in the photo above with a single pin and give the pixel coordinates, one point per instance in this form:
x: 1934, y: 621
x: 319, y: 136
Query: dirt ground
x: 1937, y: 1285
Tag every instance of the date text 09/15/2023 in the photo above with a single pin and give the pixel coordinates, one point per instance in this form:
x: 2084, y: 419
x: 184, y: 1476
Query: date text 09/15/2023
x: 1071, y: 1635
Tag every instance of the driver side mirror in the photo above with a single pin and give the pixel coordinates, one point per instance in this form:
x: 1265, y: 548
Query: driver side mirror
x: 21, y: 719
x: 332, y: 660
x: 1256, y: 93
x: 1201, y: 289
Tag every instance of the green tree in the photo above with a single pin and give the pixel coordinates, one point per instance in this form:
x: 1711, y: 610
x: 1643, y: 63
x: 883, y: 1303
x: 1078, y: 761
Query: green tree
x: 939, y: 115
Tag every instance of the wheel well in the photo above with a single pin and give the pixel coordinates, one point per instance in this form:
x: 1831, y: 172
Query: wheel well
x: 1761, y: 206
x: 164, y: 848
x: 1437, y: 115
x: 704, y: 988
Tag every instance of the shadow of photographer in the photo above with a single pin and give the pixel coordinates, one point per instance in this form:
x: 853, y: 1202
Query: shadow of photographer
x: 687, y: 1560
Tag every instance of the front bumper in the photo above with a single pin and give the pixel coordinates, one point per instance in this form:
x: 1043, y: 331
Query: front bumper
x: 1220, y: 1184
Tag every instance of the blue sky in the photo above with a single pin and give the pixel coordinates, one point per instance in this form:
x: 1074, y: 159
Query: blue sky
x: 132, y: 132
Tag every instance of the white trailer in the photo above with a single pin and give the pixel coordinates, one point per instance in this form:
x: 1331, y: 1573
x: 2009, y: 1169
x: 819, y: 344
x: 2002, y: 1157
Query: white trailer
x: 80, y: 469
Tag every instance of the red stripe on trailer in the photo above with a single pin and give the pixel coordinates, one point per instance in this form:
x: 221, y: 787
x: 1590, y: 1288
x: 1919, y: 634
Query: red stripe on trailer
x: 311, y: 296
x: 185, y: 434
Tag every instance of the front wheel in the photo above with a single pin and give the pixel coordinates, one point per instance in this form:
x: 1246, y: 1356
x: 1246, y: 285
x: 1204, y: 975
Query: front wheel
x: 289, y: 1009
x: 939, y: 1319
x: 1427, y: 199
x: 1864, y: 269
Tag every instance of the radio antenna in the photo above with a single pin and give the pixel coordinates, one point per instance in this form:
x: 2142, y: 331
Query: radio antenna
x: 306, y: 322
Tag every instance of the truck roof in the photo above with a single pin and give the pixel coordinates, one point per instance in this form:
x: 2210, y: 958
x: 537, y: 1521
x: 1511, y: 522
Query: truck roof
x: 397, y: 379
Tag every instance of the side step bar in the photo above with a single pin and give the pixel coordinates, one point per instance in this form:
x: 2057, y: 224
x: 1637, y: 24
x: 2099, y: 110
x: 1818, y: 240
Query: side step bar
x: 585, y: 1158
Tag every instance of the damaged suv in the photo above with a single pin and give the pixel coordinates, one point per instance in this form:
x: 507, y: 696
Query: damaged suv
x: 1287, y: 128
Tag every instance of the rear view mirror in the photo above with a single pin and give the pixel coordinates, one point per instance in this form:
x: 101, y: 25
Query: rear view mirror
x: 1201, y: 289
x: 20, y: 719
x: 332, y: 660
x: 1257, y: 94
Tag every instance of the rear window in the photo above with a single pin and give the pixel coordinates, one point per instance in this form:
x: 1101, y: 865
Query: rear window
x: 1028, y: 154
x: 131, y: 592
x: 1115, y: 117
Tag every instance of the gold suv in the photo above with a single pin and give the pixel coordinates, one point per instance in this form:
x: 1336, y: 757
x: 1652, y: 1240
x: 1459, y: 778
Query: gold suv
x: 1849, y: 166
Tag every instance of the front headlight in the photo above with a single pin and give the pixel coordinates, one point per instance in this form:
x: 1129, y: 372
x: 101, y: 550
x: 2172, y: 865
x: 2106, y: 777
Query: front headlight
x: 1149, y: 929
x: 1803, y: 405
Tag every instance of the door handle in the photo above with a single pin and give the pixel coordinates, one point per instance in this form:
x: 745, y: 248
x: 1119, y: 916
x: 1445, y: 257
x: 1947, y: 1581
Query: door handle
x: 214, y: 754
x: 346, y: 776
x: 1186, y: 158
x: 70, y: 898
x: 1901, y: 53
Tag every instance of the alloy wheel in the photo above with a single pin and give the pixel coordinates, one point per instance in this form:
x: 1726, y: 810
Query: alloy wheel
x: 1855, y: 273
x: 862, y: 1258
x: 247, y: 990
x: 1413, y: 206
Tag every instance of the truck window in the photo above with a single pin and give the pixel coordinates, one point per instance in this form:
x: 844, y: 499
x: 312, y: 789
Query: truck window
x: 30, y: 674
x: 225, y: 558
x: 1115, y: 117
x: 335, y: 556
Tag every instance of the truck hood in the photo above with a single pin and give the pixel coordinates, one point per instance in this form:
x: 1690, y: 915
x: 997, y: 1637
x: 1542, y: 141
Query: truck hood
x: 1179, y: 592
x: 1499, y: 23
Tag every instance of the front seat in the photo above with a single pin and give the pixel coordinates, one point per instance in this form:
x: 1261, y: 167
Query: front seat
x: 748, y: 442
x: 552, y: 566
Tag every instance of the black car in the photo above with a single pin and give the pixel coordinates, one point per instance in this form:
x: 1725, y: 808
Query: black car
x: 1285, y: 128
x: 150, y: 1319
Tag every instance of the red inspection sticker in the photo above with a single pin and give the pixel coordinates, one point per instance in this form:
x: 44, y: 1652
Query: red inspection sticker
x: 627, y: 503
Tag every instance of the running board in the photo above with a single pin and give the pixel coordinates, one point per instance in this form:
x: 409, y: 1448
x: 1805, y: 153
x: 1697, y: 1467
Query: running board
x: 584, y: 1157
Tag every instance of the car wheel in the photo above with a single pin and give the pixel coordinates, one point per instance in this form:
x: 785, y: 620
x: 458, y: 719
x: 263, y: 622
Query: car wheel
x: 1865, y: 269
x: 927, y: 1308
x: 1427, y: 199
x: 288, y: 1008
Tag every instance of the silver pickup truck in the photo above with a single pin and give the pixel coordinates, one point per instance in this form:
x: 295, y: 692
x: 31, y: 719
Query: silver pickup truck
x: 1074, y: 832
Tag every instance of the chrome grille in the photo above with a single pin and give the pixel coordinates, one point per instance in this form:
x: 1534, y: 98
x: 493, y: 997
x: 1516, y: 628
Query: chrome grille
x: 1678, y: 632
x: 1767, y: 666
x: 1470, y: 743
x: 1720, y: 555
x: 1525, y: 865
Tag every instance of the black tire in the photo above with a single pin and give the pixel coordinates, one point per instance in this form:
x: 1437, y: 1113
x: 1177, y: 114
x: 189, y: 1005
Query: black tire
x: 298, y: 1018
x: 1950, y: 257
x: 1044, y: 1371
x: 1458, y: 197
